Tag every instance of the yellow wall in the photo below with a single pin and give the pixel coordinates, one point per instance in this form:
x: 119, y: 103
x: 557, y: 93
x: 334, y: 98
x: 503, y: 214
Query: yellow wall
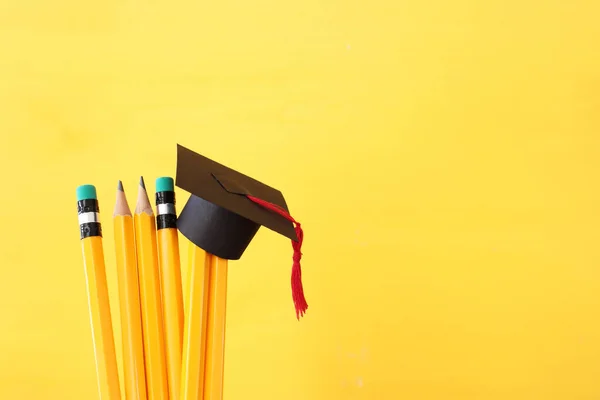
x: 442, y: 157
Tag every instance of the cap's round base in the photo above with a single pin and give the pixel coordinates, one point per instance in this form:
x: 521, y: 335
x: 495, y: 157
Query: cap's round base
x: 216, y: 230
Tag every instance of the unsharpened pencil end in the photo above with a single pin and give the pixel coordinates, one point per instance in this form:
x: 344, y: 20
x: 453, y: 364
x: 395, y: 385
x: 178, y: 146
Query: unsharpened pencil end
x: 142, y: 184
x: 120, y: 187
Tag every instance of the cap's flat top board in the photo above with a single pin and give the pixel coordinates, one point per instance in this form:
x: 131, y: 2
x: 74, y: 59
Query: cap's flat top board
x: 228, y: 188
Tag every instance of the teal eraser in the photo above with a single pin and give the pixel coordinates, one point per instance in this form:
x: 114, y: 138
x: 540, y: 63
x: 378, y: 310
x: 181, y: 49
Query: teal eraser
x: 86, y: 192
x: 165, y: 184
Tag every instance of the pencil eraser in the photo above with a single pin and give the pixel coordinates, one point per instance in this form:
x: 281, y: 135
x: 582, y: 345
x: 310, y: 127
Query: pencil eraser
x: 165, y: 184
x: 86, y: 192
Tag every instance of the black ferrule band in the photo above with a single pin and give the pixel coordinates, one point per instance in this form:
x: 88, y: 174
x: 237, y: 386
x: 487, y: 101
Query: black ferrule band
x: 165, y: 198
x: 90, y: 229
x: 87, y: 205
x: 165, y: 221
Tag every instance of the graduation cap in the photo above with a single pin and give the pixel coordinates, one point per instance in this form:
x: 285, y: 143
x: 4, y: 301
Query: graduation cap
x: 226, y: 208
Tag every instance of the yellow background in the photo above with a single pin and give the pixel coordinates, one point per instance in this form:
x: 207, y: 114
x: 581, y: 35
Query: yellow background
x: 442, y: 156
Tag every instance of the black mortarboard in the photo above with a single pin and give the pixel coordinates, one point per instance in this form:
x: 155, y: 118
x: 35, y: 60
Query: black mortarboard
x: 226, y: 208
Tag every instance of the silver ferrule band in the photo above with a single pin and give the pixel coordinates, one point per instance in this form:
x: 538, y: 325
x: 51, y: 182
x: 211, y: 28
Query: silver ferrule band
x: 88, y: 217
x: 162, y: 209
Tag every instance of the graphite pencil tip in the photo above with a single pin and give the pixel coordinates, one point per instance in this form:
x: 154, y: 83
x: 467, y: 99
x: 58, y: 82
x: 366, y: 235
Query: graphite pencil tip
x: 143, y: 202
x: 121, y: 206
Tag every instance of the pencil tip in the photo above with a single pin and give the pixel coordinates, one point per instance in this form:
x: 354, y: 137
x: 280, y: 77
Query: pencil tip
x: 142, y: 184
x: 120, y: 186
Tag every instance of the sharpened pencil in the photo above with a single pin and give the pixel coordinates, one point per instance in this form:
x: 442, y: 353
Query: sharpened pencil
x: 134, y: 370
x: 150, y: 294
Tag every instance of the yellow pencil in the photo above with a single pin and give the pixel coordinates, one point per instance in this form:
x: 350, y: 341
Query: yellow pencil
x: 170, y: 272
x: 129, y: 294
x: 185, y: 277
x: 97, y: 290
x: 215, y: 330
x: 150, y: 294
x: 194, y: 339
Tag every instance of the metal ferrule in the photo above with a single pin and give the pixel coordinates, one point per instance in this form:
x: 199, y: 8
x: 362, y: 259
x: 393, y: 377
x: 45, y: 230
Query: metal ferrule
x: 88, y: 217
x: 90, y: 229
x: 164, y: 221
x: 162, y: 209
x: 87, y: 205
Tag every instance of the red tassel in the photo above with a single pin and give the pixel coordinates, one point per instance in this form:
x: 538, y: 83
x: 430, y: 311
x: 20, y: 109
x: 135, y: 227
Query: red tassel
x: 297, y: 289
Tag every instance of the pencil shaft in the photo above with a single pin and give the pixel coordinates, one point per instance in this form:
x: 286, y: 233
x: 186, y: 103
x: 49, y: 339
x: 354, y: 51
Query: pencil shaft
x: 131, y: 317
x: 170, y: 271
x: 185, y: 277
x: 194, y: 339
x: 100, y: 318
x: 152, y: 313
x: 215, y: 340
